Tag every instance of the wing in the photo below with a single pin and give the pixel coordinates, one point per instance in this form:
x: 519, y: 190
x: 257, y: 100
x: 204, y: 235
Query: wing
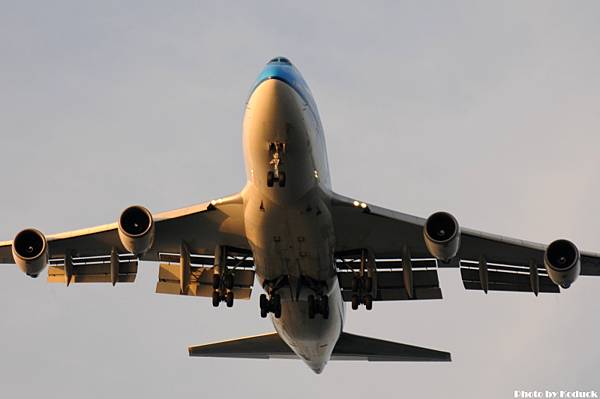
x: 202, y: 227
x: 390, y: 235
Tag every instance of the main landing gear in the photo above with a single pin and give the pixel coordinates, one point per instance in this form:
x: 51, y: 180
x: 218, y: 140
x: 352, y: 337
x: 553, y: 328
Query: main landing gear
x: 276, y: 175
x: 271, y: 301
x: 318, y: 302
x: 270, y: 304
x: 223, y: 289
x: 362, y: 285
x: 318, y: 305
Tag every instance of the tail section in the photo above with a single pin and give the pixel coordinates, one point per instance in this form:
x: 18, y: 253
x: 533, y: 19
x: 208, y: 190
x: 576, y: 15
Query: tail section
x: 348, y: 347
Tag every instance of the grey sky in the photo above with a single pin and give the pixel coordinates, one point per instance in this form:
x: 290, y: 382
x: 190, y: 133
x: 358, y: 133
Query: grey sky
x: 488, y: 110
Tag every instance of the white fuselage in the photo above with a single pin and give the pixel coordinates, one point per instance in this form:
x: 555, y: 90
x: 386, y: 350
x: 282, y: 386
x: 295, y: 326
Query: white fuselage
x: 290, y: 228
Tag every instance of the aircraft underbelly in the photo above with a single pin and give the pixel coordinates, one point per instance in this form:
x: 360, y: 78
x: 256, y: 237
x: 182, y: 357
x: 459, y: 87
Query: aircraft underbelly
x: 289, y: 226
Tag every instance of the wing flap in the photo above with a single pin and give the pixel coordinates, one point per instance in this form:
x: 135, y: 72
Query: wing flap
x: 390, y: 285
x: 505, y: 280
x: 201, y: 281
x: 93, y: 270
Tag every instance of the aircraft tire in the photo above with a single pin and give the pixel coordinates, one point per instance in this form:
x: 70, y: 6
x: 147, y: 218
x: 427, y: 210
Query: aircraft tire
x: 229, y: 299
x: 281, y: 179
x: 216, y: 298
x: 311, y: 306
x: 270, y: 178
x: 264, y: 302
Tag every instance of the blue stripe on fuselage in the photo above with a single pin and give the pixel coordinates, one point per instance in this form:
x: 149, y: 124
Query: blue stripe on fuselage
x: 286, y: 72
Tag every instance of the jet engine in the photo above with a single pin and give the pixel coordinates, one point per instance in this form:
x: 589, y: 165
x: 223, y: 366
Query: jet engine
x: 442, y: 236
x: 30, y: 252
x: 562, y: 262
x: 136, y: 229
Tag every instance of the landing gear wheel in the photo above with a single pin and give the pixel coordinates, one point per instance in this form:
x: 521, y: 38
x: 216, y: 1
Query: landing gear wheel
x: 216, y: 298
x: 355, y: 302
x: 264, y: 306
x: 325, y: 306
x: 264, y: 302
x: 281, y: 179
x: 216, y: 281
x: 270, y: 179
x: 276, y: 303
x: 368, y: 300
x: 229, y: 281
x: 229, y: 299
x: 311, y: 307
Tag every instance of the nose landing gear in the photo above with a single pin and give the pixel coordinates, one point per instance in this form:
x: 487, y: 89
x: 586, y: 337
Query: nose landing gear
x: 276, y: 175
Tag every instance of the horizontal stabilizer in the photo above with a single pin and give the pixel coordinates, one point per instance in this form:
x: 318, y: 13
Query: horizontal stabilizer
x: 356, y: 347
x: 264, y: 346
x: 348, y: 347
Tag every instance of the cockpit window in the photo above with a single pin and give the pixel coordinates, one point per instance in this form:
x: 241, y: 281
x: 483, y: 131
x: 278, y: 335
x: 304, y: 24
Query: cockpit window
x: 282, y: 60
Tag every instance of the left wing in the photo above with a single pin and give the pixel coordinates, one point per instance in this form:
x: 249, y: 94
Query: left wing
x: 509, y: 264
x: 202, y: 228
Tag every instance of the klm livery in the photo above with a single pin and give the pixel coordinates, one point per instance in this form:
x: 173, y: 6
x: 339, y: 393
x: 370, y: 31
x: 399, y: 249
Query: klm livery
x: 310, y: 249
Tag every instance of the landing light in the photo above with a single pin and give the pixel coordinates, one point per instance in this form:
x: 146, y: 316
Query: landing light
x: 362, y: 205
x: 217, y: 201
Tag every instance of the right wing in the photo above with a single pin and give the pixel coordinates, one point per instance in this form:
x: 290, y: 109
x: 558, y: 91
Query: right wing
x: 512, y: 264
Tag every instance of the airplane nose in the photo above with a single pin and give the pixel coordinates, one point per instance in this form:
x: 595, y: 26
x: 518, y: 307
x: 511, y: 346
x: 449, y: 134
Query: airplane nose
x: 273, y: 99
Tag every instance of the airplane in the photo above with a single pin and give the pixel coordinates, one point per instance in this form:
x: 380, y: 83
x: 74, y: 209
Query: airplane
x: 310, y: 248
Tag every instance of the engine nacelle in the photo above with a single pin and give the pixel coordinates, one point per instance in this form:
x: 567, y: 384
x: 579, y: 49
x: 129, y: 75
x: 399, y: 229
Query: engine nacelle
x: 562, y: 262
x: 30, y: 252
x: 136, y: 229
x: 442, y: 236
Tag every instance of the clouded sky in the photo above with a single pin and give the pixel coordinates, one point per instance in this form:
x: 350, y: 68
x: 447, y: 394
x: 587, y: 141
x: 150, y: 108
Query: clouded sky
x: 489, y: 110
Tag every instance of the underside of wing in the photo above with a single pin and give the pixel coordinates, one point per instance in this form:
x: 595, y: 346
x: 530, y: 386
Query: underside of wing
x: 110, y: 253
x: 487, y: 262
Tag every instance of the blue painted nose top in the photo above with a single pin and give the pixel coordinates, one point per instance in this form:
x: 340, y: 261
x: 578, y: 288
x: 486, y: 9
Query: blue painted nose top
x: 282, y: 69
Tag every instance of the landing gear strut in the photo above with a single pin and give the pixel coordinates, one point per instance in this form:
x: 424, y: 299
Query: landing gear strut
x: 276, y: 175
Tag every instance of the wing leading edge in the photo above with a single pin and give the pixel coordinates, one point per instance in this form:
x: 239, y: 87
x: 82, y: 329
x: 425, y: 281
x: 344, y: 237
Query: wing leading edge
x: 201, y: 226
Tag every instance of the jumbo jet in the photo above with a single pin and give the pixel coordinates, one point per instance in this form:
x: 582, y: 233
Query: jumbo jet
x: 310, y: 248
